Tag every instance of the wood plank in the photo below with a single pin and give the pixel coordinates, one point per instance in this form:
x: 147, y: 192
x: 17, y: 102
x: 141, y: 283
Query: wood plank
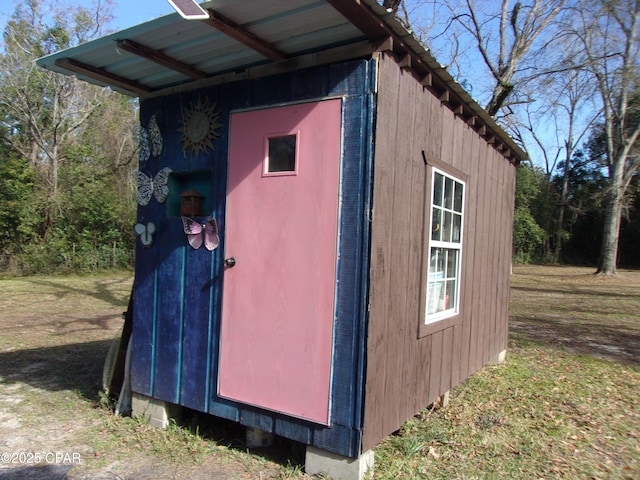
x: 418, y: 251
x: 423, y: 378
x: 256, y: 419
x: 160, y: 58
x: 244, y: 36
x: 447, y: 124
x: 406, y: 272
x: 487, y: 297
x: 494, y: 232
x: 461, y: 338
x: 502, y: 255
x: 433, y: 134
x: 168, y: 340
x: 508, y: 205
x: 435, y: 371
x: 103, y: 76
x: 349, y: 342
x: 381, y: 255
x: 143, y: 328
x: 480, y: 264
x: 395, y: 227
x: 447, y: 353
x: 292, y: 430
x: 196, y: 329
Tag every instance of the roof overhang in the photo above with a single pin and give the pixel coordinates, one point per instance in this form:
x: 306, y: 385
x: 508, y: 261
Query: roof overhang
x: 250, y: 38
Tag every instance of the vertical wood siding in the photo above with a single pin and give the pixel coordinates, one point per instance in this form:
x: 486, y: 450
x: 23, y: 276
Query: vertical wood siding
x: 407, y: 371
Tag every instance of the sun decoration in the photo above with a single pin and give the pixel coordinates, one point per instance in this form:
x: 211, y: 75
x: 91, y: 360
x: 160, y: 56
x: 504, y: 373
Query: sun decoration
x: 199, y: 127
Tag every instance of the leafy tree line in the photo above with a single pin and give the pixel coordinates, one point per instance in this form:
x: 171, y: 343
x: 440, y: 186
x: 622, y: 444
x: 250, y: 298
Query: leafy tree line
x: 560, y: 75
x: 66, y: 151
x: 539, y: 200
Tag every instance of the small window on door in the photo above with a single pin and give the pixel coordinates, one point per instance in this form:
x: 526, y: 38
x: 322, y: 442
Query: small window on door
x: 281, y: 158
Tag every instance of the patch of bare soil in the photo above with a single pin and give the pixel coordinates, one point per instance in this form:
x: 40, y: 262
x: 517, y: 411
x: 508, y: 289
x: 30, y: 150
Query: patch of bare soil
x: 572, y: 309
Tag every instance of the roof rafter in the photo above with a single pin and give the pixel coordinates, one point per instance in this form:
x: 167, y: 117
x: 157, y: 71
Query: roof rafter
x: 161, y: 59
x: 102, y: 75
x: 244, y: 36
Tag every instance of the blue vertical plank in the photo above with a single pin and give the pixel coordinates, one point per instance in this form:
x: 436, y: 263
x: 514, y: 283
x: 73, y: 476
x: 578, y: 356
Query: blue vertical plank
x: 143, y: 321
x: 256, y: 419
x: 169, y: 306
x: 145, y: 283
x: 196, y: 327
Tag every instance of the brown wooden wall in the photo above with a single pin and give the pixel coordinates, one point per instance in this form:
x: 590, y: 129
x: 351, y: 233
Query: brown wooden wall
x: 409, y: 367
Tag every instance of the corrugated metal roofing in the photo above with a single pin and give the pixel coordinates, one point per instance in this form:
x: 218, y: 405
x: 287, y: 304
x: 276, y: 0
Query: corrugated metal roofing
x: 285, y: 30
x: 294, y: 28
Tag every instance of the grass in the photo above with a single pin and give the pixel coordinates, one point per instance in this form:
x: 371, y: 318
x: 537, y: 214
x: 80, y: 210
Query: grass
x: 565, y: 404
x: 548, y: 411
x: 542, y: 414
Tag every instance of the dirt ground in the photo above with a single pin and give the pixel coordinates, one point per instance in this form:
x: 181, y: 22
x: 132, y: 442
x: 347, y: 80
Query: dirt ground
x: 55, y: 333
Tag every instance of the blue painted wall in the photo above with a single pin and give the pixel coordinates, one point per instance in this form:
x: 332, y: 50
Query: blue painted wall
x: 178, y: 290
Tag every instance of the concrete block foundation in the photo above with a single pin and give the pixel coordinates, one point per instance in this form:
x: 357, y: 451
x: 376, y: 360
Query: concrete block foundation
x: 159, y: 413
x: 338, y: 467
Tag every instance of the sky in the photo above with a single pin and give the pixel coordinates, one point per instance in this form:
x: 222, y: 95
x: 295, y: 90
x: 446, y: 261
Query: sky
x: 127, y: 13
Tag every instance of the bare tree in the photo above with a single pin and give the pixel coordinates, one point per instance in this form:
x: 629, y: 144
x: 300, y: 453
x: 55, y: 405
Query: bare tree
x: 607, y: 32
x: 512, y: 39
x: 574, y: 92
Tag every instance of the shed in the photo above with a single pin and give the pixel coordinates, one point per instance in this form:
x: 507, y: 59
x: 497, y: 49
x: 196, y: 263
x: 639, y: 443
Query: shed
x: 352, y: 262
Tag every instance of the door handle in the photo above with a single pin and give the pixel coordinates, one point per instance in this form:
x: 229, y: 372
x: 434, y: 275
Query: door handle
x: 230, y: 262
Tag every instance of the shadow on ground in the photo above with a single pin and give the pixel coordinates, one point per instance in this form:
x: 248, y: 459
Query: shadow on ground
x: 603, y: 341
x: 35, y: 472
x: 76, y: 367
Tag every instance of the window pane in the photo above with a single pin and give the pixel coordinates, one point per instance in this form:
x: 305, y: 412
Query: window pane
x: 435, y: 297
x: 457, y: 227
x: 448, y: 193
x: 436, y: 224
x: 282, y: 154
x: 446, y: 227
x: 435, y: 286
x: 452, y: 263
x: 457, y: 204
x: 437, y: 189
x: 450, y: 295
x: 438, y: 262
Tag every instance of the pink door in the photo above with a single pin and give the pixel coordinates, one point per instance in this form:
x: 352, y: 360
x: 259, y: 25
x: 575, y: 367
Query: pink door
x: 280, y: 275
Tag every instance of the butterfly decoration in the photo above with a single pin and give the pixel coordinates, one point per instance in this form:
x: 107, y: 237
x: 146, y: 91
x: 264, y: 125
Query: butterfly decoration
x: 148, y: 141
x: 152, y: 187
x: 145, y: 232
x: 199, y: 233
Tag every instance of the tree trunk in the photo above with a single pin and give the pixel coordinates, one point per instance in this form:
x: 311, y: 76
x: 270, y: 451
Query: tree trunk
x: 564, y: 194
x: 608, y: 259
x: 557, y: 253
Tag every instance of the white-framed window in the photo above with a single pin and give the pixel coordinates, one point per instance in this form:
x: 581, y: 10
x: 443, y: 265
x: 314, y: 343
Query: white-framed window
x: 445, y: 247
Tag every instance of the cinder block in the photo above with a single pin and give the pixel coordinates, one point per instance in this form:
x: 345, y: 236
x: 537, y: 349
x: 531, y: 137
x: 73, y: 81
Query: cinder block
x: 500, y: 358
x: 158, y: 412
x: 337, y: 467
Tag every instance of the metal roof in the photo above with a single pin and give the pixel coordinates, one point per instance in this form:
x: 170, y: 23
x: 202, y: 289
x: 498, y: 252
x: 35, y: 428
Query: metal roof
x: 249, y: 35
